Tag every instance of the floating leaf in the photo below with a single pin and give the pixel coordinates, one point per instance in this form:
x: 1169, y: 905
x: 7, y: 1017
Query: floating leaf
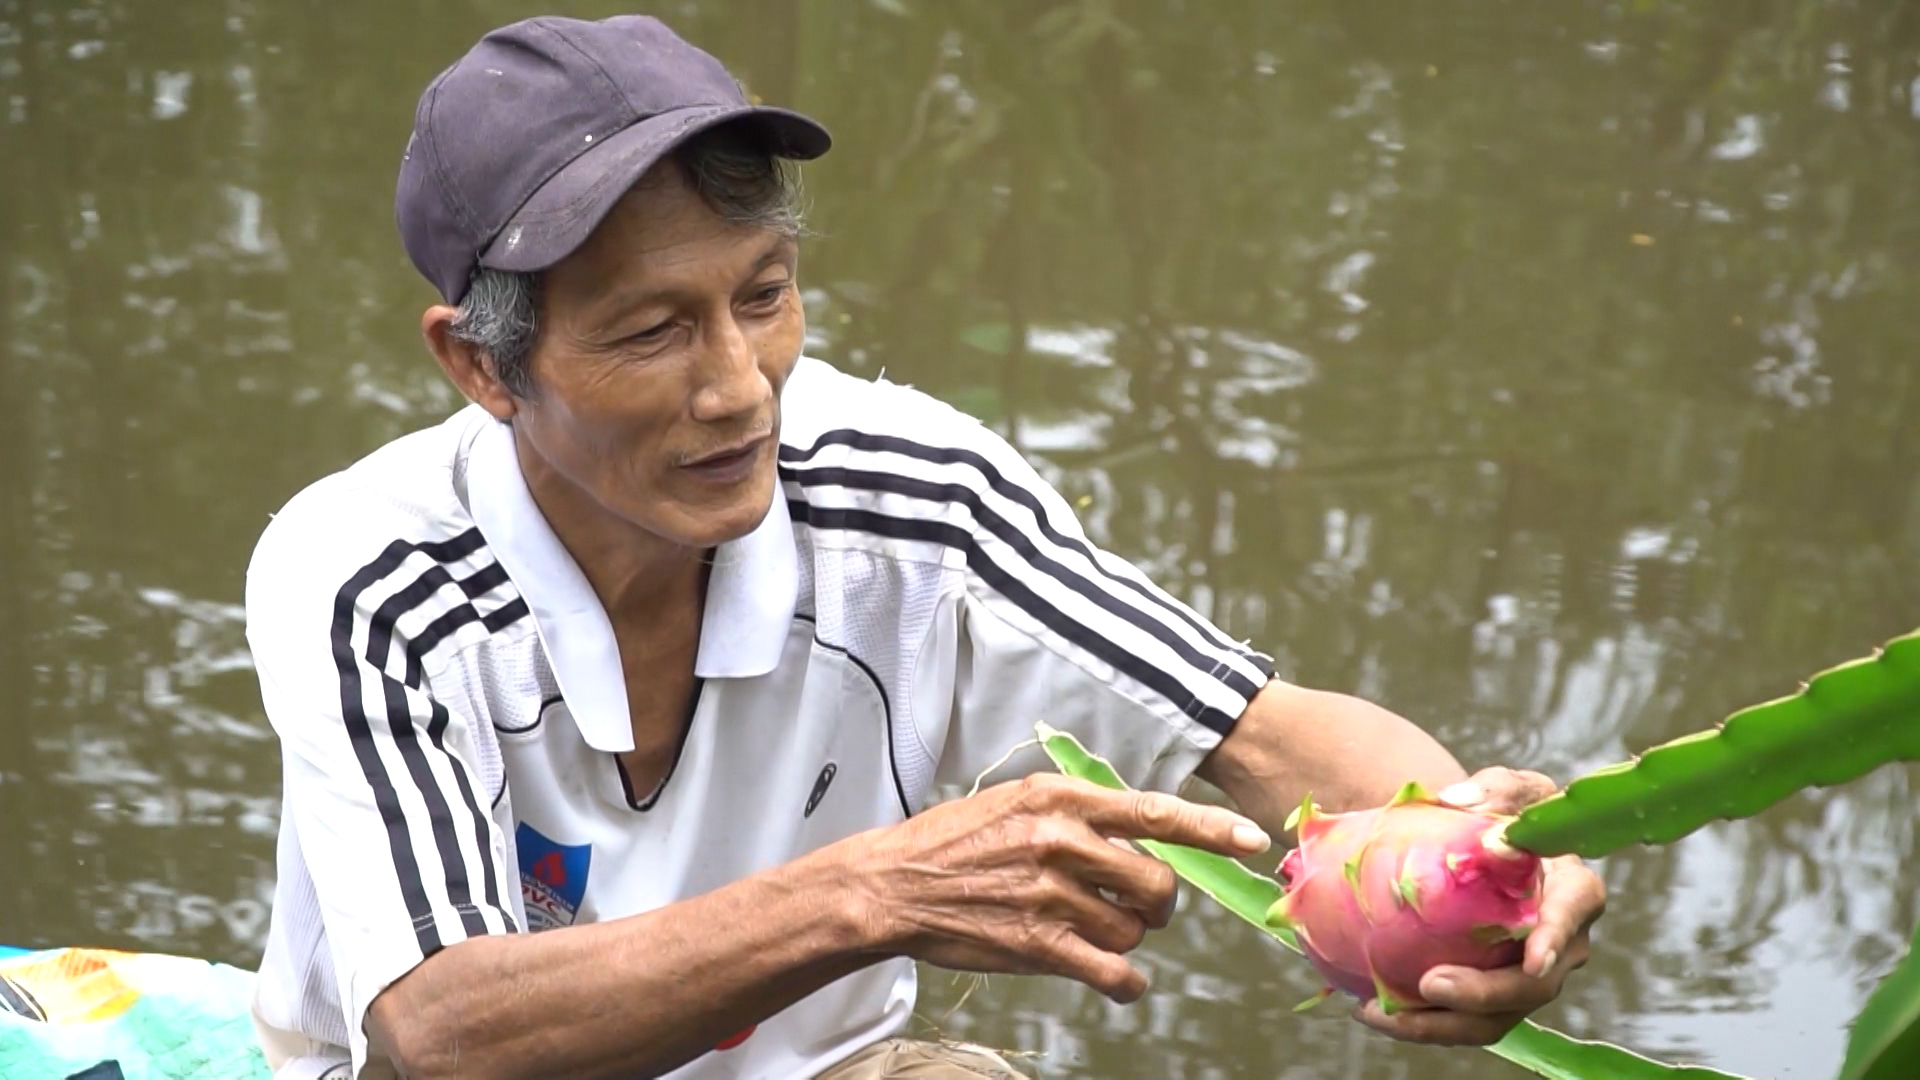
x: 995, y: 338
x: 1846, y: 722
x: 1885, y: 1042
x: 1547, y: 1052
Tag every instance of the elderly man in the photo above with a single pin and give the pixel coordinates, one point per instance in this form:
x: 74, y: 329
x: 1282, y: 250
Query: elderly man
x: 613, y: 707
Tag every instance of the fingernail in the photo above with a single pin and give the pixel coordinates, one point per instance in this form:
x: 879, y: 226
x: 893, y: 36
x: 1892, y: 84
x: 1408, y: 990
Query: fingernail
x: 1251, y: 837
x: 1442, y: 985
x: 1465, y: 793
x: 1547, y: 962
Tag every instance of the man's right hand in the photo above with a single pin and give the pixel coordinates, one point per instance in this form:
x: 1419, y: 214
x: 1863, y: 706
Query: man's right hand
x: 1035, y: 877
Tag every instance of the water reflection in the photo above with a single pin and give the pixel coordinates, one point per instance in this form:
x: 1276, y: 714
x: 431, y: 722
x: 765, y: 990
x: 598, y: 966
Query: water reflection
x: 1544, y: 375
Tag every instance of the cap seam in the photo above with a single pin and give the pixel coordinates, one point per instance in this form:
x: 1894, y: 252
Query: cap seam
x: 455, y: 197
x: 597, y: 66
x: 633, y: 117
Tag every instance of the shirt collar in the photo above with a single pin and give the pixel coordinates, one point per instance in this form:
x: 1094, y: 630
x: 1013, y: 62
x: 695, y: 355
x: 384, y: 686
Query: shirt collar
x: 751, y: 595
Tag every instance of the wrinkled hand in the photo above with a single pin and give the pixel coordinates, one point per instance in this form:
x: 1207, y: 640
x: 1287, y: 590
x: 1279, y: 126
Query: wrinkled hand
x: 1475, y: 1008
x: 1035, y: 877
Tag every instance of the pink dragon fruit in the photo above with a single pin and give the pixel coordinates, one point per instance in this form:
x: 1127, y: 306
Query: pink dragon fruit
x: 1377, y: 898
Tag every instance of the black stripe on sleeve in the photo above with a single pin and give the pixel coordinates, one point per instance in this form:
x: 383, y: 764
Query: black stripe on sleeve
x: 432, y: 580
x: 490, y: 881
x: 401, y: 725
x: 1015, y: 493
x: 439, y: 629
x: 360, y: 733
x: 1016, y: 539
x: 495, y: 621
x: 1071, y: 629
x: 453, y: 861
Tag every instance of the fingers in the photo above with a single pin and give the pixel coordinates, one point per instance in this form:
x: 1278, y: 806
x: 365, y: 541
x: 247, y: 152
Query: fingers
x: 1166, y: 887
x: 1084, y: 937
x: 1571, y: 899
x: 1437, y: 1027
x: 1573, y: 896
x: 1106, y: 871
x: 1469, y: 1007
x: 1104, y: 925
x: 1139, y: 883
x: 1502, y: 991
x: 1500, y: 791
x: 1152, y: 815
x: 1072, y: 956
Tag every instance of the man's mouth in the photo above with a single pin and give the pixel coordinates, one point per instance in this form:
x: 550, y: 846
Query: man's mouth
x: 729, y: 463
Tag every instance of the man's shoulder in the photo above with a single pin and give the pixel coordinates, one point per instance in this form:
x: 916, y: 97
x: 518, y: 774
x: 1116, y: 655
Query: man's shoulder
x: 848, y: 444
x: 406, y: 491
x: 822, y: 403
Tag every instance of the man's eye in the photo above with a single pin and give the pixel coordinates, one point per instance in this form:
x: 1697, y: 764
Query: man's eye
x: 770, y: 295
x: 652, y: 333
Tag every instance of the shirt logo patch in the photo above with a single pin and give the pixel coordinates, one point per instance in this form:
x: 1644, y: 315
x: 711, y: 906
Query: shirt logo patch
x: 820, y: 784
x: 553, y: 878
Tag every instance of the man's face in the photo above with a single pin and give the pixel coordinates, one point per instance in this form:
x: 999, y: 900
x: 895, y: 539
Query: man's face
x: 664, y: 343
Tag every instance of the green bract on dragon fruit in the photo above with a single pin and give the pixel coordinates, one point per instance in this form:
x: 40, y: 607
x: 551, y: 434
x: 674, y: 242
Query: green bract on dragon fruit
x: 1377, y: 898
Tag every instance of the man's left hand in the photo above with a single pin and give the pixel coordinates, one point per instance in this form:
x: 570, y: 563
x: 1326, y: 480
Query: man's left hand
x: 1473, y: 1007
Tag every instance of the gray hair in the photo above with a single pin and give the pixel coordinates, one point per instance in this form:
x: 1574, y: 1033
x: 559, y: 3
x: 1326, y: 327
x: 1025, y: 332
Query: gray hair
x: 732, y: 171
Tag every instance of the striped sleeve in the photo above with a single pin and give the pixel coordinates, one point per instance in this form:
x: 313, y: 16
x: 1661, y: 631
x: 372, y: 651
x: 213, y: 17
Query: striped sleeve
x: 1045, y: 625
x: 384, y: 793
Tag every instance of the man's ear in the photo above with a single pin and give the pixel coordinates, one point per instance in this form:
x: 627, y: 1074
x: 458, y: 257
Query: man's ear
x: 470, y: 369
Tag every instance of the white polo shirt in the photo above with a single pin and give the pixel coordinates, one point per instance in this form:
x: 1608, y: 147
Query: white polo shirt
x: 449, y: 700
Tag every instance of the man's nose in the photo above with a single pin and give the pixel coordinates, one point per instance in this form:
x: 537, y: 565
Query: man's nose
x: 729, y: 380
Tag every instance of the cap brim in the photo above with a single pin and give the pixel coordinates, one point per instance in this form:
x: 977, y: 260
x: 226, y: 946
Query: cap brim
x: 560, y: 214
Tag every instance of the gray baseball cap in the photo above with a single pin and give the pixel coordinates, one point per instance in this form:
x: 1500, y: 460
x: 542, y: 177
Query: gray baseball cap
x: 521, y: 148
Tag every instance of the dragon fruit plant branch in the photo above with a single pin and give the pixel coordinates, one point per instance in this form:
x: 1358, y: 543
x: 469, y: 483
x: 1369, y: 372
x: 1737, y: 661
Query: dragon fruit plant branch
x: 1844, y: 723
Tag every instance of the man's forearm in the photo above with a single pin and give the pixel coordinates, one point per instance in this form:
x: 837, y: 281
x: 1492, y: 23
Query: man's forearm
x: 634, y: 997
x: 1348, y: 753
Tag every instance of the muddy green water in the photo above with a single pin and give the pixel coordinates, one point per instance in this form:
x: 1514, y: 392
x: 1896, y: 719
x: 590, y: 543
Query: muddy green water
x: 1545, y: 371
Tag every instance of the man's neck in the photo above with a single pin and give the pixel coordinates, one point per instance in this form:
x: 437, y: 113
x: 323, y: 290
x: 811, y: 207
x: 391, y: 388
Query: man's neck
x: 642, y: 580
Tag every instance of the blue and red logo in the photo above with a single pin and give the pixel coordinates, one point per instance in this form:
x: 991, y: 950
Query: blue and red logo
x: 553, y: 878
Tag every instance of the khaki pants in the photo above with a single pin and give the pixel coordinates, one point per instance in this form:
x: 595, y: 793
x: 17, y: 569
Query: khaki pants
x: 911, y: 1059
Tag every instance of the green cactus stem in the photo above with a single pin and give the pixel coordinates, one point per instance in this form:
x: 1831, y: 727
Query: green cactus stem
x: 1843, y: 723
x: 1885, y: 1041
